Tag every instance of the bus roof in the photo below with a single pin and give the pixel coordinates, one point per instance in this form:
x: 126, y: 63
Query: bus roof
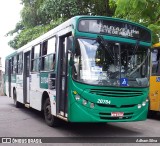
x: 69, y: 23
x: 10, y: 55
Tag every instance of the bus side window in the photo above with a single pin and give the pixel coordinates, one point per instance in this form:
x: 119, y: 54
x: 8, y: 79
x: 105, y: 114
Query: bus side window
x: 158, y: 65
x: 35, y: 58
x: 48, y: 54
x: 14, y: 64
x: 6, y: 67
x: 53, y: 63
x: 44, y: 53
x: 52, y: 53
x: 19, y: 64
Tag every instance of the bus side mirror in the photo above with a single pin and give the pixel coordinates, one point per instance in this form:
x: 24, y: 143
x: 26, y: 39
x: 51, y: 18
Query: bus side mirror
x: 69, y: 43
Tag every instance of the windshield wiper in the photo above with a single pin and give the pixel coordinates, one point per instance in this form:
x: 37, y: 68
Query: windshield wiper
x: 102, y: 43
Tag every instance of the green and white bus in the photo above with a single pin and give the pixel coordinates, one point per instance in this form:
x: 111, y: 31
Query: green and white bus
x: 88, y: 69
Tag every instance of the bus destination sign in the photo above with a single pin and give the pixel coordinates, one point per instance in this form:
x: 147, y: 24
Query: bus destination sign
x: 114, y: 28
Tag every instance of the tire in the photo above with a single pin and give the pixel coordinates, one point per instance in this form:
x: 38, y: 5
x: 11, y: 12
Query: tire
x: 16, y: 103
x: 149, y: 111
x: 151, y: 114
x: 51, y: 120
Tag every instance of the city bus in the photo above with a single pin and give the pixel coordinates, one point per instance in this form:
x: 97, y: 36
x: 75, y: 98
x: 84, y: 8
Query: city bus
x: 87, y: 69
x: 154, y: 94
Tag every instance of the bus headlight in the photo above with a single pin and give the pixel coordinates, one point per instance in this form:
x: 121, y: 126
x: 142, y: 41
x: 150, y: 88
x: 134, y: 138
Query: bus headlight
x: 139, y: 105
x: 84, y: 102
x: 91, y: 105
x: 143, y: 103
x: 77, y: 97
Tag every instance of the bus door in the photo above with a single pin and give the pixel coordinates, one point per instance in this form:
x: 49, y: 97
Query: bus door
x: 26, y: 77
x: 9, y: 77
x: 62, y: 73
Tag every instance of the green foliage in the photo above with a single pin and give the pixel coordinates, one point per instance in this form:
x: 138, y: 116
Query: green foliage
x: 31, y: 15
x: 103, y: 7
x: 39, y: 16
x: 146, y: 12
x: 61, y: 8
x: 19, y: 27
x: 70, y: 8
x: 30, y: 34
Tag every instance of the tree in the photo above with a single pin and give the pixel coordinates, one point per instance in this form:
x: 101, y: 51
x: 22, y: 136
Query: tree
x: 145, y: 12
x: 70, y: 8
x: 39, y: 16
x: 103, y: 7
x: 27, y: 35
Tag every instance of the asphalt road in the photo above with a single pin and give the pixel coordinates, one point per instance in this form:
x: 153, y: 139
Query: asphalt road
x: 24, y: 122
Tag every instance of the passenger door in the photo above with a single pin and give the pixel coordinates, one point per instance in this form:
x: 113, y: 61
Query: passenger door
x: 62, y: 75
x: 26, y: 77
x: 9, y: 77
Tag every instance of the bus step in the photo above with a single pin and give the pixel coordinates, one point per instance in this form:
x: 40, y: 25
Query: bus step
x: 61, y: 117
x: 27, y: 105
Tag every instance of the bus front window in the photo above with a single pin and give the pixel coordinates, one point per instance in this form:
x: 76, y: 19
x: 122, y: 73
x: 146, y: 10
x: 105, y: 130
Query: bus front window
x: 106, y: 64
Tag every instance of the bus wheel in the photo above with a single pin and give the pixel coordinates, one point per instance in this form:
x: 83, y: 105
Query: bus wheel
x: 49, y: 118
x: 16, y: 103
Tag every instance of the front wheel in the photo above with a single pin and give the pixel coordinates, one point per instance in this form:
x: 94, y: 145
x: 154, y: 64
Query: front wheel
x: 16, y: 103
x: 49, y: 118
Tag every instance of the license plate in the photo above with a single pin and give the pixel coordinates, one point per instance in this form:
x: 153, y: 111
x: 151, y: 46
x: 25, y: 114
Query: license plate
x: 117, y: 114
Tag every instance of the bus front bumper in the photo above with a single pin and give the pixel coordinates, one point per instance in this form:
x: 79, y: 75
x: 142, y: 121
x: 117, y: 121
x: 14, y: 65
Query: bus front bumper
x: 80, y: 113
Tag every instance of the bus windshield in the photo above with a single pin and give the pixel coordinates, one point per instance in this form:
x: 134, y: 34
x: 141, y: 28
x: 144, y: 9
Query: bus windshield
x: 108, y: 63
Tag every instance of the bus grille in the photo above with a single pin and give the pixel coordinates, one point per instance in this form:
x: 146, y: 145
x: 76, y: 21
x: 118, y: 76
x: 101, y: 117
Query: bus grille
x: 114, y: 106
x: 116, y: 93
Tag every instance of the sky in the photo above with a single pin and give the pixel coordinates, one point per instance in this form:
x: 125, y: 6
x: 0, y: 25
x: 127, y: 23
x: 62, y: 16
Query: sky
x: 9, y: 16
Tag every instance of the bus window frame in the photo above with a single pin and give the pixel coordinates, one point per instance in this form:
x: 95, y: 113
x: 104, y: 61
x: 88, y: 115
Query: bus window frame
x: 13, y: 65
x: 19, y: 64
x: 47, y: 56
x: 36, y: 60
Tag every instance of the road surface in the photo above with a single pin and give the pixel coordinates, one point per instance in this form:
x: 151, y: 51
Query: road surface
x: 24, y: 122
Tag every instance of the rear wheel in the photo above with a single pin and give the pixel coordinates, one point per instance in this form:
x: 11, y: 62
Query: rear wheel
x: 16, y: 103
x: 49, y: 118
